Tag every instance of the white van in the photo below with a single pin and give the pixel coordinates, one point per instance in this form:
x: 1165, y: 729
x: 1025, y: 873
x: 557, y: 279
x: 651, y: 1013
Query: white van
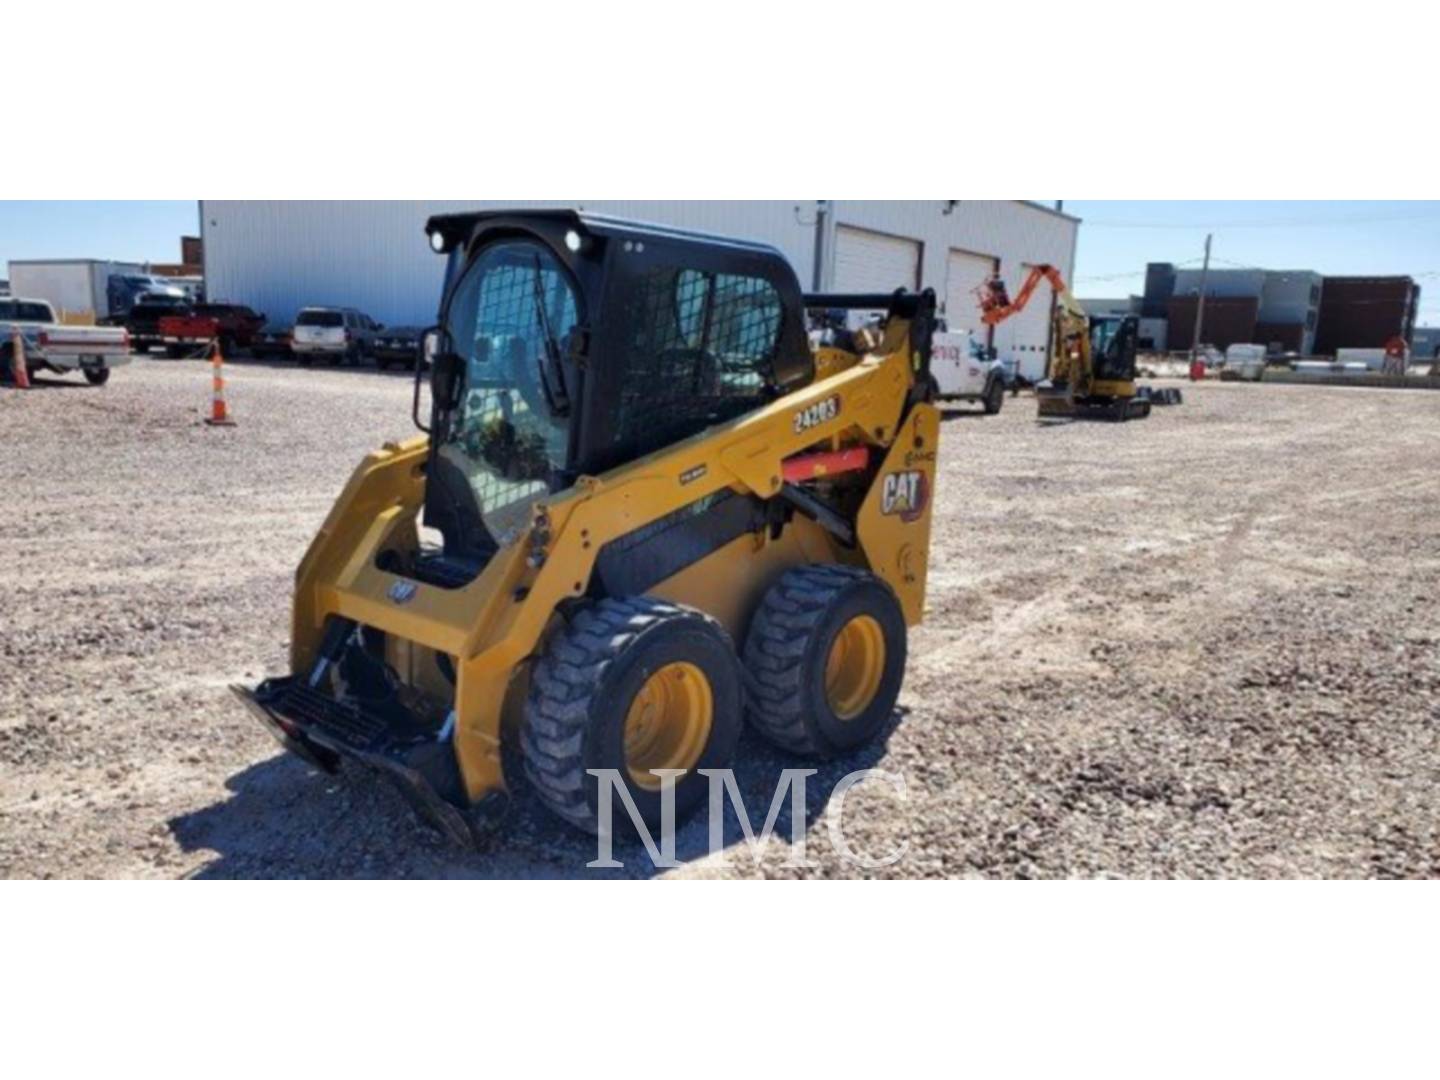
x: 960, y: 371
x: 1245, y: 362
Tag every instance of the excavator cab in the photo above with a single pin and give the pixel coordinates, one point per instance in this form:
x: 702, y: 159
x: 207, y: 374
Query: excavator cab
x: 1113, y: 340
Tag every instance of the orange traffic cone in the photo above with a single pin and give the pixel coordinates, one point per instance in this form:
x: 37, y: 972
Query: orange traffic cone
x: 219, y: 416
x: 18, y: 367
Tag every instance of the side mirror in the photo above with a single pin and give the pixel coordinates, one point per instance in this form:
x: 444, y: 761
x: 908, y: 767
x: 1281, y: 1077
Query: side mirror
x: 442, y: 384
x: 429, y: 346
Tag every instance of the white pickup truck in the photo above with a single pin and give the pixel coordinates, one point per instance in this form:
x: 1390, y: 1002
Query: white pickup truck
x: 959, y: 371
x: 50, y: 346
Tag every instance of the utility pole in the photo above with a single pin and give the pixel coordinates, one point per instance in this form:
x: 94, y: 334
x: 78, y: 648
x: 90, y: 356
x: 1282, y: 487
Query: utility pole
x: 1200, y: 304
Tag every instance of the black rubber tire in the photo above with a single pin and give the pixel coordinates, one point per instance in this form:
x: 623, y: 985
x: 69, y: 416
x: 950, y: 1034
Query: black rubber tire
x: 176, y: 352
x: 97, y: 376
x: 787, y: 647
x: 581, y: 689
x: 994, y: 397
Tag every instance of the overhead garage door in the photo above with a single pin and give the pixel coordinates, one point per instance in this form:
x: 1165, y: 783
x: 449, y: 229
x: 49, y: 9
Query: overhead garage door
x: 964, y: 273
x: 873, y: 262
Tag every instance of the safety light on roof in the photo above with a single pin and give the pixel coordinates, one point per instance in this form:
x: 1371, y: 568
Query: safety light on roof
x: 437, y: 240
x: 574, y: 241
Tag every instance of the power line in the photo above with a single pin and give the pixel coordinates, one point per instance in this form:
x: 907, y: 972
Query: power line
x: 1294, y: 223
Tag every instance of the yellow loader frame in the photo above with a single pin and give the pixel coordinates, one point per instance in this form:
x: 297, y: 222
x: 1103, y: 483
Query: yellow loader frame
x: 491, y: 627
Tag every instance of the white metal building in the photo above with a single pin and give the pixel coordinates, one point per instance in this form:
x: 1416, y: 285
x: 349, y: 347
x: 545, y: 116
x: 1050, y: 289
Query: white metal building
x: 278, y: 257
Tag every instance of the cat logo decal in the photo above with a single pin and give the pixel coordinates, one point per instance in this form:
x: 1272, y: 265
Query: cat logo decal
x: 904, y: 493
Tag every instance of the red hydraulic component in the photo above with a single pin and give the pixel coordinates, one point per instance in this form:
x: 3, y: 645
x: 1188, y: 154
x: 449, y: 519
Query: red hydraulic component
x: 797, y: 470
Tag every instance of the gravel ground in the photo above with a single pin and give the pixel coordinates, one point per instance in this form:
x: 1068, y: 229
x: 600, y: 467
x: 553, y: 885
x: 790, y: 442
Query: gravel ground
x: 1202, y: 645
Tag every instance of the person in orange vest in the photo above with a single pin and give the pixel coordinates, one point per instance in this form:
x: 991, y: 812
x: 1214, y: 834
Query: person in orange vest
x: 1395, y: 356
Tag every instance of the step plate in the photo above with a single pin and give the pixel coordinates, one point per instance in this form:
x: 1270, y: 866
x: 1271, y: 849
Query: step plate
x: 323, y: 731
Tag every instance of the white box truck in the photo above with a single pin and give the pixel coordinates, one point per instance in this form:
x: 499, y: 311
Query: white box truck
x: 87, y: 291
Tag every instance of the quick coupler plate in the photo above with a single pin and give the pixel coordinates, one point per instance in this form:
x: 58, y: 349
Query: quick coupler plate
x: 322, y: 731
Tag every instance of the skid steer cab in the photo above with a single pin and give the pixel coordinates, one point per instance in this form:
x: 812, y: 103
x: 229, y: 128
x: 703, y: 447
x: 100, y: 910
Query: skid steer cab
x: 644, y: 514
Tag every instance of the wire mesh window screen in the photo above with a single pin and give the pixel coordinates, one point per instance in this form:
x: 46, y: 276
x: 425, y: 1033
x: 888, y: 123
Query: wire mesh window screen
x: 702, y: 352
x: 514, y: 304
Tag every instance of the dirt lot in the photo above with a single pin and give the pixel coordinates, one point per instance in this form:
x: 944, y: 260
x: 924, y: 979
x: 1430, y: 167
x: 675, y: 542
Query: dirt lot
x: 1202, y: 645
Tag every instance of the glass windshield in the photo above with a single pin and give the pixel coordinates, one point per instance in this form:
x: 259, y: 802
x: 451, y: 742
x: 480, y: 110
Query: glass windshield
x: 513, y: 304
x: 1102, y: 333
x: 330, y: 319
x: 20, y: 311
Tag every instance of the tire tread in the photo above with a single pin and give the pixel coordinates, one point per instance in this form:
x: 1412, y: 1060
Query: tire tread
x: 775, y: 651
x: 563, y: 685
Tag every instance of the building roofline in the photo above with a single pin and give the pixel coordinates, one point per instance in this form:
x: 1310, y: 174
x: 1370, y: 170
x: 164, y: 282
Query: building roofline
x: 65, y: 262
x: 1033, y: 205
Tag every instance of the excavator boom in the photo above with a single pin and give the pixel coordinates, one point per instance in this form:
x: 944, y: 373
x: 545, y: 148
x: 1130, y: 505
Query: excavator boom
x: 996, y: 305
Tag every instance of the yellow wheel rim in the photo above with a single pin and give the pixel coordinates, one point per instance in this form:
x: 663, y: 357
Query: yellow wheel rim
x: 855, y: 667
x: 668, y: 723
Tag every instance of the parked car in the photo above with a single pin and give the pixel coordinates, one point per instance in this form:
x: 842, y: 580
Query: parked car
x: 233, y: 325
x: 271, y: 341
x: 334, y: 334
x: 49, y: 346
x: 399, y: 345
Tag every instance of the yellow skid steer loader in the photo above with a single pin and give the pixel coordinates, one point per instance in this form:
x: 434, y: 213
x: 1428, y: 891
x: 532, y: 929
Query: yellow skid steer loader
x: 660, y: 514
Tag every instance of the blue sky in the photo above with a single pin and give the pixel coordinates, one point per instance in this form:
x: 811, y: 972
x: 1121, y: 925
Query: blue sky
x: 128, y: 231
x: 1116, y: 240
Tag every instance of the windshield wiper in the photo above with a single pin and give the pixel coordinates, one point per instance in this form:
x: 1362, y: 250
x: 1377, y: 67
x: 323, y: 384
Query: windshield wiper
x: 555, y: 396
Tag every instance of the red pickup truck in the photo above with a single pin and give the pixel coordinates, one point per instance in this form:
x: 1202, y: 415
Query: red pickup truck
x: 233, y: 325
